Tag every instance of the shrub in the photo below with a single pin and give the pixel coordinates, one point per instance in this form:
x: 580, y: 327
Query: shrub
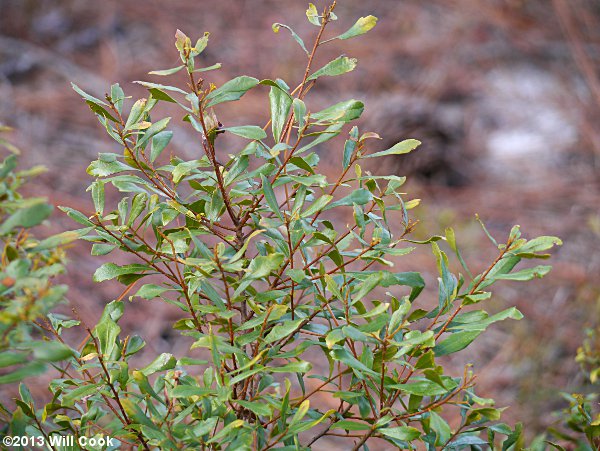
x: 27, y: 269
x: 304, y: 328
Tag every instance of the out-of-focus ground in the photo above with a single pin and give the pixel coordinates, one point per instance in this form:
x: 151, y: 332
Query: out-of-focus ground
x: 504, y: 95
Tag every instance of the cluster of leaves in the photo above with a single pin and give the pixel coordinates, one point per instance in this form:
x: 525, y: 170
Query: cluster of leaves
x: 27, y: 269
x: 304, y: 328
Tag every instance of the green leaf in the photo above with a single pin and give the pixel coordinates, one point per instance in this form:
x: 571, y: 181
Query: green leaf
x: 100, y: 110
x: 282, y: 330
x: 135, y: 413
x: 344, y: 356
x: 334, y: 336
x: 360, y: 196
x: 511, y: 313
x: 330, y: 132
x: 232, y: 90
x: 402, y: 147
x: 312, y: 15
x: 262, y: 266
x: 405, y: 433
x: 206, y: 69
x: 117, y: 96
x: 186, y: 391
x: 340, y: 112
x: 107, y: 331
x: 26, y: 217
x: 30, y: 370
x: 464, y: 440
x: 270, y: 197
x: 109, y: 271
x: 151, y: 86
x: 77, y: 216
x: 79, y: 393
x: 247, y: 131
x: 150, y: 291
x: 297, y: 38
x: 361, y: 26
x: 159, y: 142
x: 538, y: 244
x: 98, y: 196
x: 338, y: 66
x: 526, y: 274
x: 317, y: 205
x: 138, y: 205
x: 440, y: 427
x: 163, y: 362
x: 201, y: 44
x: 51, y: 351
x: 136, y: 113
x: 292, y: 367
x: 164, y: 72
x: 280, y: 102
x: 349, y: 425
x: 426, y: 387
x: 102, y: 168
x: 11, y: 358
x: 456, y: 342
x: 349, y: 148
x: 299, y: 113
x: 153, y: 130
x: 86, y: 96
x: 259, y: 408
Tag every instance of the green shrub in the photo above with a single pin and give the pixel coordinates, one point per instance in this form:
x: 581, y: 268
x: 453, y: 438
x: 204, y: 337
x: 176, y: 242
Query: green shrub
x: 304, y: 328
x: 27, y: 269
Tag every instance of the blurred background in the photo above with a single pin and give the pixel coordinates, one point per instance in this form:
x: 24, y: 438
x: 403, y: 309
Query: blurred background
x: 504, y: 94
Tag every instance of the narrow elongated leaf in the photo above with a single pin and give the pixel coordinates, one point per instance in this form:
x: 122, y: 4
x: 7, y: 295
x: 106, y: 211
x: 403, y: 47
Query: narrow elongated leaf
x: 117, y: 96
x: 270, y: 197
x: 247, y: 131
x: 164, y: 72
x: 107, y: 332
x: 359, y: 197
x: 150, y: 291
x: 282, y: 330
x: 538, y: 244
x: 163, y: 362
x: 280, y: 102
x: 338, y: 66
x: 405, y: 433
x: 456, y: 342
x: 349, y: 425
x: 262, y: 266
x: 299, y: 113
x: 361, y: 26
x: 30, y: 370
x: 511, y: 313
x: 153, y: 130
x: 86, y: 96
x: 526, y: 274
x: 297, y: 38
x: 402, y: 147
x: 26, y: 217
x: 313, y: 15
x: 109, y: 271
x: 186, y: 391
x: 159, y: 142
x: 232, y: 90
x: 316, y: 206
x: 340, y: 112
x: 79, y: 393
x: 344, y: 356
